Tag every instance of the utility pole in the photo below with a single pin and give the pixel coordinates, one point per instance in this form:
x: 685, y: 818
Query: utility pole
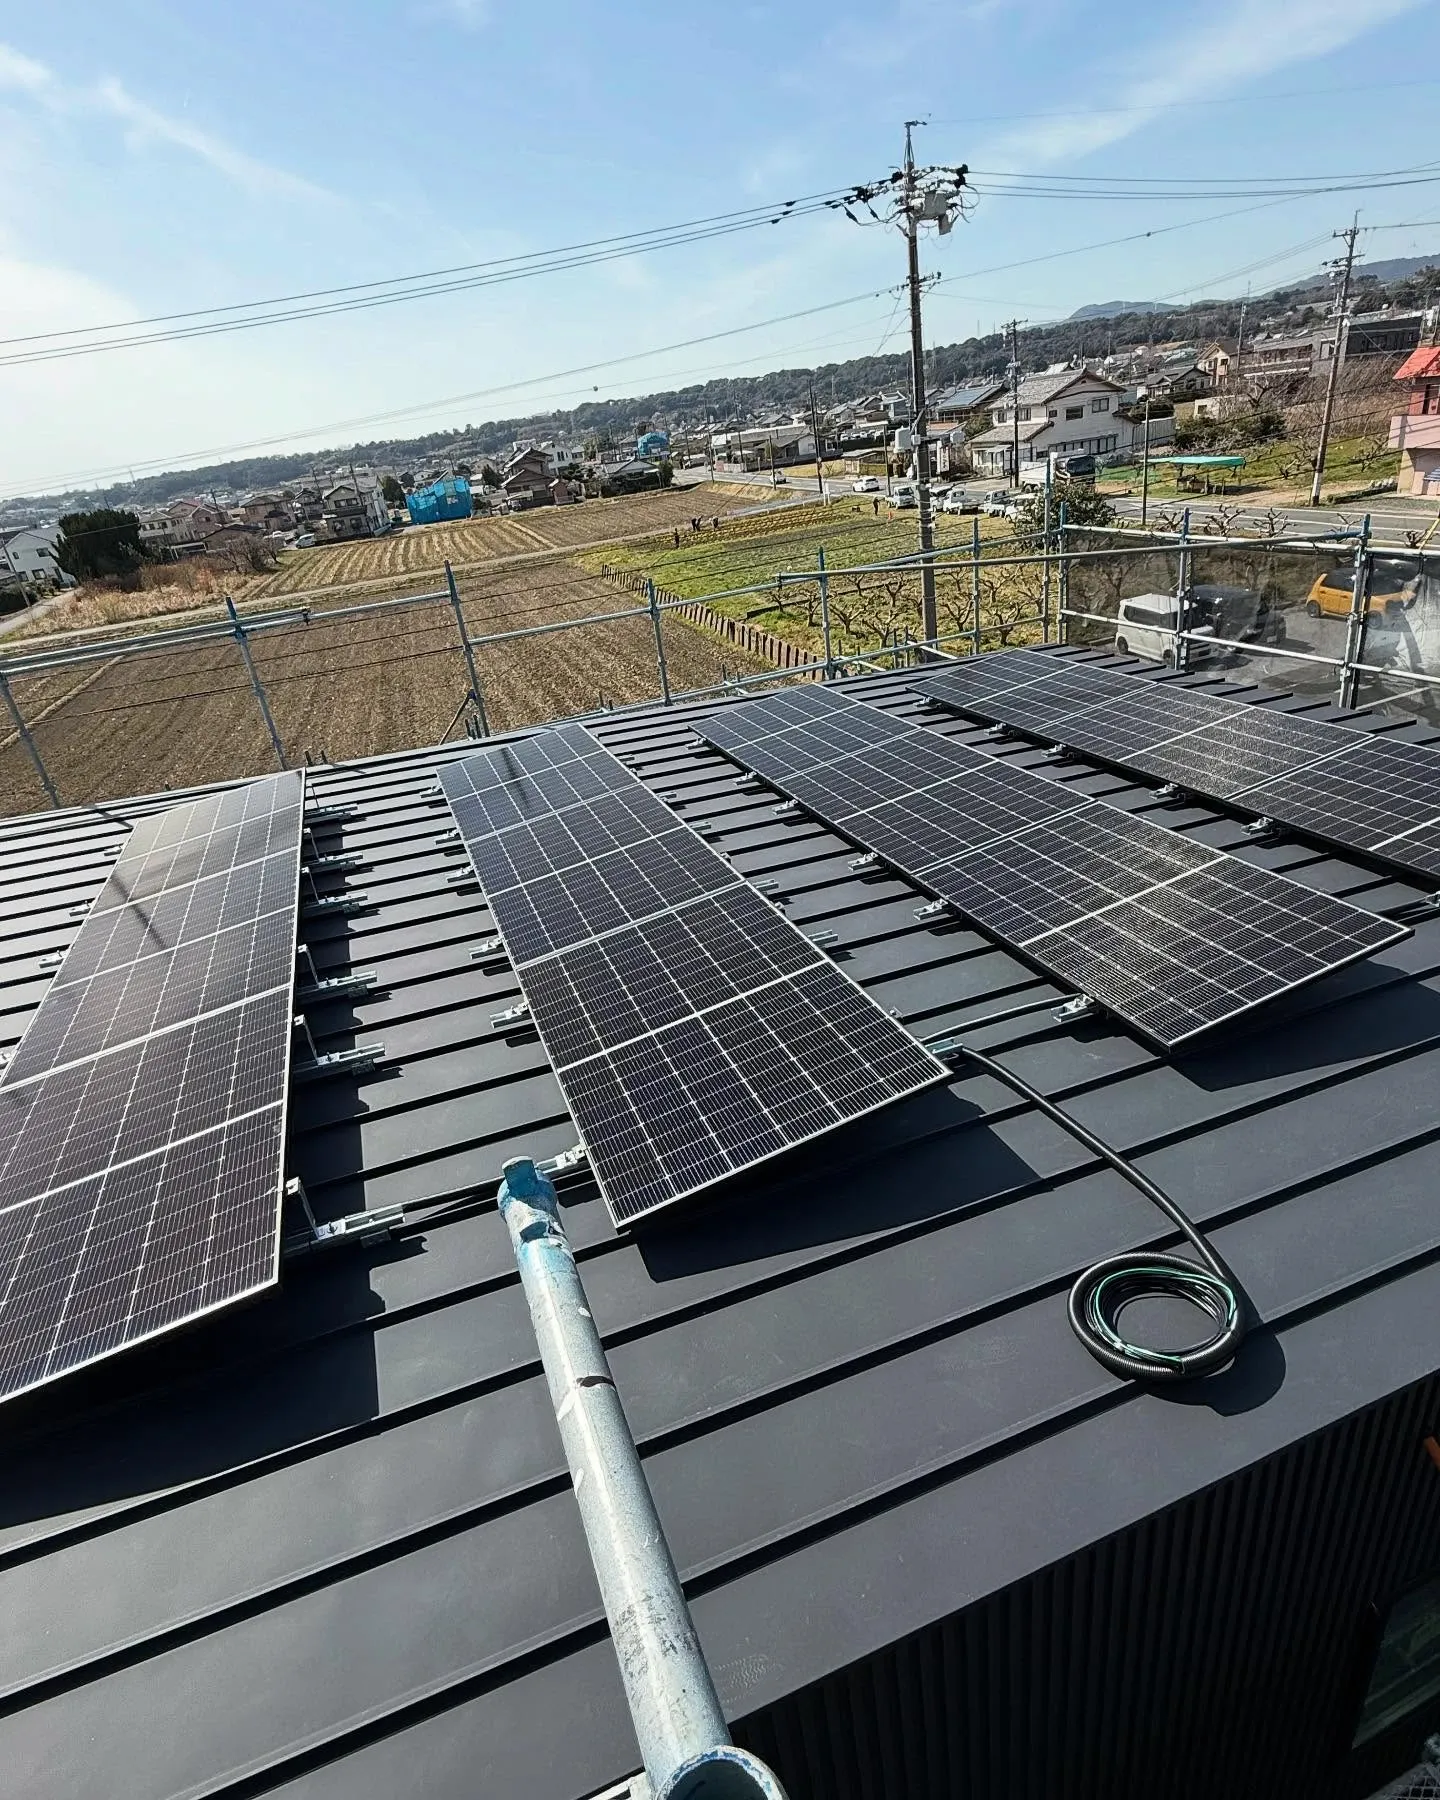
x: 929, y: 618
x: 1014, y: 372
x: 815, y: 434
x: 1342, y: 332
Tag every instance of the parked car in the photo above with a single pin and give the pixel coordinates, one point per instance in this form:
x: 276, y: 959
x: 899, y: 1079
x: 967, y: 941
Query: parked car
x: 1002, y: 504
x: 867, y: 484
x: 305, y: 541
x: 904, y: 497
x: 1148, y: 625
x: 958, y: 501
x: 1394, y: 583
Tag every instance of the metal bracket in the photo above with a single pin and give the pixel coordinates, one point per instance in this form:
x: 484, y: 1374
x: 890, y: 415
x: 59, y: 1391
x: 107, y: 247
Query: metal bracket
x: 375, y: 1227
x: 1081, y: 1007
x: 870, y: 860
x: 52, y: 960
x: 573, y: 1158
x: 462, y: 878
x: 489, y: 950
x: 823, y: 939
x: 1055, y: 753
x: 335, y: 1062
x: 704, y: 828
x: 770, y: 885
x: 512, y: 1015
x: 323, y: 905
x: 929, y: 704
x: 1261, y: 828
x: 327, y: 815
x: 1172, y: 790
x: 933, y: 909
x: 787, y: 809
x: 997, y: 732
x: 749, y: 784
x: 323, y: 864
x: 335, y: 987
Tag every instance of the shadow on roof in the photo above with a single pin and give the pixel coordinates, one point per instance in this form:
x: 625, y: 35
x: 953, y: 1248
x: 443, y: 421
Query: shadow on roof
x: 250, y: 1382
x: 1359, y: 1013
x: 915, y: 1161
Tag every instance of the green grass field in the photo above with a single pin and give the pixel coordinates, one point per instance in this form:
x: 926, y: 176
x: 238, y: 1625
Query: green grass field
x: 1278, y: 468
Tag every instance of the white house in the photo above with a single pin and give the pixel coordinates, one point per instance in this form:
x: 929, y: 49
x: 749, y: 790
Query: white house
x: 29, y: 552
x: 1067, y: 411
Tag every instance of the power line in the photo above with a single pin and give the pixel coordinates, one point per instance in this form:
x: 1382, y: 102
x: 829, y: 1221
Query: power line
x: 750, y: 214
x: 1206, y: 105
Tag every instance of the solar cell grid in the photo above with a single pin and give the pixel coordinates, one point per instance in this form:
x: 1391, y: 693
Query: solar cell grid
x: 651, y: 972
x: 1050, y: 875
x: 1173, y: 936
x: 141, y: 1118
x: 707, y: 1097
x: 1372, y: 789
x: 1371, y: 794
x: 606, y: 992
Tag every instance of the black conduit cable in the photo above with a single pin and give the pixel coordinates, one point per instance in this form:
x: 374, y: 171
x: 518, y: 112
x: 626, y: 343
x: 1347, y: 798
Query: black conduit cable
x: 1105, y: 1289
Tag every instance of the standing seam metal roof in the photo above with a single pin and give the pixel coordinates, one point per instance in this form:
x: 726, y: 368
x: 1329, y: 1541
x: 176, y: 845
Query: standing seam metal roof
x: 324, y: 1547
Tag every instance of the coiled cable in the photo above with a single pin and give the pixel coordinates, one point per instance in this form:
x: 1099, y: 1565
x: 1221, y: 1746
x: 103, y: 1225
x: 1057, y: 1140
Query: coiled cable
x: 1103, y: 1292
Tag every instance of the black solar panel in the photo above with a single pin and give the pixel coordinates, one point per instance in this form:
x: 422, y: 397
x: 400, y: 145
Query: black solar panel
x: 1373, y: 794
x: 142, y: 1116
x: 692, y: 1028
x: 1173, y: 936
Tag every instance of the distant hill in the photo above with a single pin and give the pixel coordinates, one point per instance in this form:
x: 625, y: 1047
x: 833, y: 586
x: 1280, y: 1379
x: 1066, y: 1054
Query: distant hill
x: 1112, y: 309
x: 1393, y: 268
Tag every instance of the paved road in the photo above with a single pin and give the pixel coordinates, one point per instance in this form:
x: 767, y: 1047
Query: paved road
x: 1391, y: 518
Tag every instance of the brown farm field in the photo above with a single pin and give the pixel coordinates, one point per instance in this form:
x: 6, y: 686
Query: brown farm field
x: 158, y: 719
x: 467, y: 542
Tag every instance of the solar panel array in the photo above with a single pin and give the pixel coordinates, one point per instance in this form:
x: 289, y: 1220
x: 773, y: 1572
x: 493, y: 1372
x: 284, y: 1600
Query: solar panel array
x: 693, y: 1030
x: 1377, y: 795
x: 142, y: 1115
x: 1170, y: 935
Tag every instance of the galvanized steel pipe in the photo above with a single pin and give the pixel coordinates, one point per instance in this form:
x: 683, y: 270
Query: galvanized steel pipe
x: 683, y: 1738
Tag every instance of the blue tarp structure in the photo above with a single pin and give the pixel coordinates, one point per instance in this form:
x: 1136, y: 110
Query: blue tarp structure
x: 447, y: 499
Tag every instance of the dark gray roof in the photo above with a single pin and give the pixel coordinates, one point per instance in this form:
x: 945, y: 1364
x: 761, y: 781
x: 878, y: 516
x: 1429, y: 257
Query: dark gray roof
x: 961, y: 399
x: 324, y: 1547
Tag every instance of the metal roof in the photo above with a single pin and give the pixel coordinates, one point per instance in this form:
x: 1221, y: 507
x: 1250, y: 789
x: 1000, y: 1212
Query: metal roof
x: 324, y: 1547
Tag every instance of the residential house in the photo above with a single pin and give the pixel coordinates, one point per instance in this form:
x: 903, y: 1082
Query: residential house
x: 1215, y: 362
x: 28, y: 552
x: 1415, y: 432
x: 526, y: 477
x: 1284, y: 356
x: 766, y: 446
x: 271, y: 511
x: 1064, y: 411
x: 558, y: 455
x: 1174, y: 378
x: 963, y: 405
x: 195, y: 520
x: 354, y: 507
x: 1387, y: 333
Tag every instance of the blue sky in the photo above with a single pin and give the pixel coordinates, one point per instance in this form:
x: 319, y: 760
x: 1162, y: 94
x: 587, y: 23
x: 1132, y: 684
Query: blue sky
x: 156, y: 158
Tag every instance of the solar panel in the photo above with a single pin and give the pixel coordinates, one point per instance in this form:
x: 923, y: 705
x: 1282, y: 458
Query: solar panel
x: 693, y: 1030
x: 1172, y: 936
x: 142, y: 1115
x: 1377, y: 795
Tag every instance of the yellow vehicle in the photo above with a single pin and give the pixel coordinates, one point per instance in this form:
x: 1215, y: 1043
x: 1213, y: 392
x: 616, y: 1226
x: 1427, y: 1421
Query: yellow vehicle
x: 1394, y: 583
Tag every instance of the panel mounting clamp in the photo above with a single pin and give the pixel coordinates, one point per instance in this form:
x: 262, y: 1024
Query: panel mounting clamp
x: 933, y: 909
x: 870, y: 860
x: 1261, y: 828
x: 512, y: 1015
x: 1081, y: 1006
x: 325, y: 904
x: 491, y: 949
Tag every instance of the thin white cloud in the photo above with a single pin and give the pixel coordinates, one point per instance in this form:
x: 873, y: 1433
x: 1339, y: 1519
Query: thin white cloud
x: 1215, y: 55
x: 22, y: 73
x: 145, y: 126
x: 472, y: 14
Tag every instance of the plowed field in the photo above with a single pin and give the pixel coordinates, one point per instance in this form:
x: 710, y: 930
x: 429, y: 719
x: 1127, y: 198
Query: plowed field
x: 343, y: 687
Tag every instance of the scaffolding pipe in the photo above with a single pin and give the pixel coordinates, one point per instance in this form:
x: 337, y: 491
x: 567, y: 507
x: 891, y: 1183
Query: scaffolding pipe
x: 256, y: 685
x: 653, y: 606
x: 31, y: 748
x: 465, y: 643
x: 1360, y: 583
x: 829, y: 674
x: 681, y: 1730
x: 975, y: 585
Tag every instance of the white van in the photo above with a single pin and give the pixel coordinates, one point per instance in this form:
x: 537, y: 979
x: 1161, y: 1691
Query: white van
x: 1147, y: 625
